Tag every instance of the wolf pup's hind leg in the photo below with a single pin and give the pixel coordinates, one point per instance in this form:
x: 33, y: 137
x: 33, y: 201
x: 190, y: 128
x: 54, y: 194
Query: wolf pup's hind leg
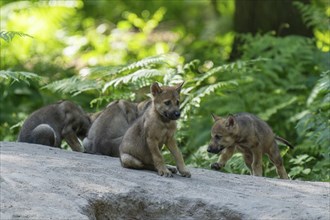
x: 129, y: 161
x: 275, y: 157
x: 43, y: 134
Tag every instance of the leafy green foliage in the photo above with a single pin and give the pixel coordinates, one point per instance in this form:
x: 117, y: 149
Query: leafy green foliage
x: 275, y: 88
x: 313, y: 15
x: 317, y: 16
x: 74, y: 86
x: 9, y: 35
x: 300, y: 164
x: 315, y: 126
x: 18, y: 76
x: 94, y: 52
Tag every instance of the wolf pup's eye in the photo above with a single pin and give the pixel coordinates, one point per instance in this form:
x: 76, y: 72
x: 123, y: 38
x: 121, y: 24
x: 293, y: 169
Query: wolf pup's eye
x: 168, y: 102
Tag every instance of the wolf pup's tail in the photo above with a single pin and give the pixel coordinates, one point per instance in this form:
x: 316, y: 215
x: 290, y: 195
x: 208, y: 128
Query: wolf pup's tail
x: 278, y: 138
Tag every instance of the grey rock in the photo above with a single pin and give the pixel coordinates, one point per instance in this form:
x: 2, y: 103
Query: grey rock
x: 40, y: 182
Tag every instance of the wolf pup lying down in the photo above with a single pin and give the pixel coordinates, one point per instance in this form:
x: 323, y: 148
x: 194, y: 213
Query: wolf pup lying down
x: 108, y: 129
x: 143, y: 141
x: 50, y: 124
x: 249, y: 135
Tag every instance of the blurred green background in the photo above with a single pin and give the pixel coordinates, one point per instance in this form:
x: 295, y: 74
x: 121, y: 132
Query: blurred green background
x: 270, y: 58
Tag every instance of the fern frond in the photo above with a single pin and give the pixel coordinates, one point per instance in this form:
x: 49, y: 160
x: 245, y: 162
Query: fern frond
x: 269, y: 112
x: 195, y: 98
x: 210, y: 89
x: 134, y: 77
x: 313, y: 16
x: 139, y: 74
x: 145, y: 63
x: 143, y: 69
x: 103, y: 71
x: 235, y: 66
x: 192, y: 66
x: 18, y: 76
x: 323, y: 85
x: 73, y: 85
x: 9, y: 35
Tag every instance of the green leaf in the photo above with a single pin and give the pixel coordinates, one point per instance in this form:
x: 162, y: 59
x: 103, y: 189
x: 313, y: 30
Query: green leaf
x: 73, y: 85
x: 135, y: 76
x: 18, y: 76
x: 9, y: 35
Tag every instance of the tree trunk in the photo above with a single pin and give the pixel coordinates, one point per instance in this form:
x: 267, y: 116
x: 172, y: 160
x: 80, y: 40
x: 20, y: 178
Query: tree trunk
x: 261, y: 16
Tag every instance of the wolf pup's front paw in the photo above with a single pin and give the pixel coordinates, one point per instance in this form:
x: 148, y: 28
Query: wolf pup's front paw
x: 185, y: 173
x: 172, y: 169
x: 216, y: 166
x: 165, y: 172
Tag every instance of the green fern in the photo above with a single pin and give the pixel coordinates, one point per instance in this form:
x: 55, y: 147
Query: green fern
x: 133, y: 77
x: 322, y: 86
x: 17, y: 76
x: 117, y: 82
x: 315, y: 122
x: 313, y: 16
x: 9, y: 35
x: 195, y: 98
x: 192, y: 66
x: 228, y: 68
x: 147, y: 62
x: 73, y: 86
x: 273, y: 109
x: 139, y: 72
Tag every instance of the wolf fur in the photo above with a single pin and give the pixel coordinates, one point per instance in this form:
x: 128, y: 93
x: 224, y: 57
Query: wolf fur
x: 52, y: 123
x: 249, y: 135
x: 109, y: 127
x: 142, y: 143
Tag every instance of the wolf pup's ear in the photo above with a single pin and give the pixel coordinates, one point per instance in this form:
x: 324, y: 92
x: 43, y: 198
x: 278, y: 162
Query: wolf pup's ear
x: 155, y: 89
x: 179, y: 86
x: 215, y: 118
x: 230, y: 121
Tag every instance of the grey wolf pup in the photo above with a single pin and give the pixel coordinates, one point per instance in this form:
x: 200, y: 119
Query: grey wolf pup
x: 52, y: 123
x: 249, y: 135
x: 109, y: 127
x: 143, y: 141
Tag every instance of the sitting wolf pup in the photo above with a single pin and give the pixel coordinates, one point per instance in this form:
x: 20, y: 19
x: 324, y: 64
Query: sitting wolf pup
x: 108, y: 129
x: 249, y: 135
x: 142, y: 143
x: 50, y: 124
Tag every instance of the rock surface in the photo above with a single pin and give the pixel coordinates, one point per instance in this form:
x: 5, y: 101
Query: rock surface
x: 39, y: 182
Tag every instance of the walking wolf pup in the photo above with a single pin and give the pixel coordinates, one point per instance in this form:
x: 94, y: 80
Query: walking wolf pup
x: 50, y: 124
x: 142, y: 143
x: 249, y: 135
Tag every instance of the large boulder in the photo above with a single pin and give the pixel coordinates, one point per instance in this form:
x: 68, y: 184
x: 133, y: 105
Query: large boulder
x: 40, y: 182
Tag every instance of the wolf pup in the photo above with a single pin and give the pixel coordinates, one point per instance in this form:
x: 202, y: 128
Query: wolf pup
x: 50, y: 124
x: 249, y: 135
x: 108, y: 129
x: 142, y: 143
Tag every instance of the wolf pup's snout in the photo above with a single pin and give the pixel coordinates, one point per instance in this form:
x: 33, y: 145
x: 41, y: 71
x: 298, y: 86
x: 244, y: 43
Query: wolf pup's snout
x: 215, y: 150
x: 176, y: 115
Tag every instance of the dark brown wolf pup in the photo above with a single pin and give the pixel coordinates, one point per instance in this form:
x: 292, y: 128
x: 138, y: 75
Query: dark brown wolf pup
x: 52, y: 123
x: 249, y: 135
x: 143, y: 141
